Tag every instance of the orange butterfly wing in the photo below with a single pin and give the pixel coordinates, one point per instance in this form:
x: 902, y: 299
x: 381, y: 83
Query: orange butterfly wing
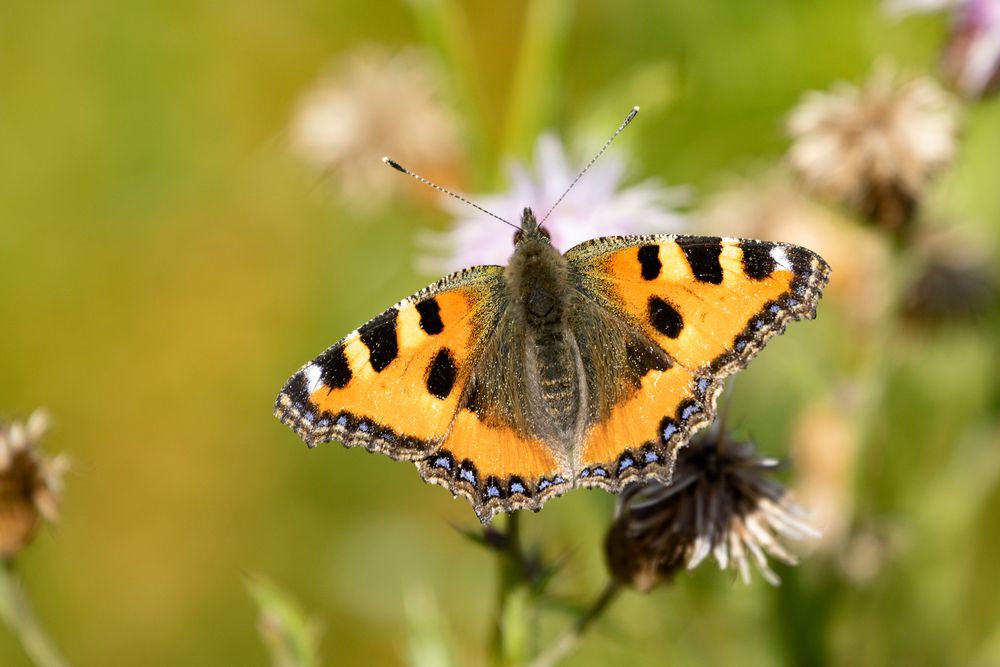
x: 398, y: 386
x: 710, y: 304
x: 394, y: 385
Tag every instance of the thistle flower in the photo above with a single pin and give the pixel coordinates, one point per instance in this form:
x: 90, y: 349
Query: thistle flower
x: 598, y: 205
x: 874, y: 149
x: 721, y: 502
x: 30, y: 484
x: 972, y: 56
x: 772, y: 207
x: 904, y: 7
x: 375, y: 102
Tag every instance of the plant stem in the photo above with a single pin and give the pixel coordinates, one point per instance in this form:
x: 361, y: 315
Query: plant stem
x: 445, y: 27
x: 16, y: 613
x: 561, y: 647
x: 537, y: 77
x: 510, y: 629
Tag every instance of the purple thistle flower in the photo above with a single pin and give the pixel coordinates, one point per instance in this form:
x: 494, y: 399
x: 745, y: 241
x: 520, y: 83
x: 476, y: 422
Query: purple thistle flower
x: 597, y: 206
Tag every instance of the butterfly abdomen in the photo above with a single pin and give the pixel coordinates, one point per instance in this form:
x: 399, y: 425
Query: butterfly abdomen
x: 554, y: 361
x: 537, y: 280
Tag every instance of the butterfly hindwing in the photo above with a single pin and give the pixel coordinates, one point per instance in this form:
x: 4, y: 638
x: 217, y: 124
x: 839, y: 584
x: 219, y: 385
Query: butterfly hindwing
x: 709, y: 305
x: 394, y: 385
x: 495, y: 455
x: 495, y: 466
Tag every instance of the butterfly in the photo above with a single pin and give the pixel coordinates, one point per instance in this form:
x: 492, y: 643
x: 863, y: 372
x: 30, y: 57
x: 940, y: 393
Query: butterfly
x: 512, y: 385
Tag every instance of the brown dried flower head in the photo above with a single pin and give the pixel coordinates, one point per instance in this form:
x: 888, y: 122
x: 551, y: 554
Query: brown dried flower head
x: 876, y: 148
x: 721, y: 502
x: 771, y: 206
x: 30, y: 484
x: 950, y: 288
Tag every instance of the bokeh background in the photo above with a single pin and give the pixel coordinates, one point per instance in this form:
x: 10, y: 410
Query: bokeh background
x: 175, y: 240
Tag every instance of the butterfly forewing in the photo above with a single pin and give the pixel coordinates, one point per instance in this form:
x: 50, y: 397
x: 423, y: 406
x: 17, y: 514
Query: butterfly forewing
x: 395, y: 384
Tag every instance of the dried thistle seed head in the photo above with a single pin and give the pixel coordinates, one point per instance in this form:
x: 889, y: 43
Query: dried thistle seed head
x: 722, y: 502
x: 874, y: 149
x: 771, y: 206
x: 950, y: 288
x: 30, y: 483
x: 372, y: 102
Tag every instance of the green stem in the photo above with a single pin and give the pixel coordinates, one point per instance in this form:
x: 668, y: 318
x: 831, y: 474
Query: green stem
x: 445, y: 28
x: 562, y: 646
x: 510, y: 631
x: 536, y: 80
x: 16, y: 613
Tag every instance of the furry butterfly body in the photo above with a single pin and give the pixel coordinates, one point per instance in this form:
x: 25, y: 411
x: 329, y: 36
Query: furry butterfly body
x: 510, y: 385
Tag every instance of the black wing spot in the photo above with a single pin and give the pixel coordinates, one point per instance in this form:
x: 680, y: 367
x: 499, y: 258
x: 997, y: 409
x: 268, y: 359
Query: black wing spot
x: 474, y: 399
x: 649, y: 259
x: 379, y: 336
x: 665, y: 318
x: 334, y: 369
x: 641, y: 360
x: 702, y: 253
x: 758, y: 263
x: 441, y: 374
x: 430, y: 316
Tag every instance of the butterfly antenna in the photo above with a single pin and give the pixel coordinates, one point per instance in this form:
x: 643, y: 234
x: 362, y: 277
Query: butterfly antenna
x: 398, y: 167
x: 628, y: 119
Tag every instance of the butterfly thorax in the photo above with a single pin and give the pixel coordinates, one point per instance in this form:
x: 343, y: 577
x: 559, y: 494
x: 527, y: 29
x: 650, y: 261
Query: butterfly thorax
x: 540, y: 298
x: 537, y: 280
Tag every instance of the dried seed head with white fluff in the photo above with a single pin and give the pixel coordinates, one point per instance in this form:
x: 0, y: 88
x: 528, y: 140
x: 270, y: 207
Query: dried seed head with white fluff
x: 374, y: 102
x: 874, y: 149
x: 30, y: 483
x: 722, y: 502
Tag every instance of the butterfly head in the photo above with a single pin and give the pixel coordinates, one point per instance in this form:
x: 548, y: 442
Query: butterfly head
x: 531, y: 229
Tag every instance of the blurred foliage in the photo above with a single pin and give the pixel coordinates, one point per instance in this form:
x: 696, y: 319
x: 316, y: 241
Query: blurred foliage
x: 290, y: 636
x: 165, y: 264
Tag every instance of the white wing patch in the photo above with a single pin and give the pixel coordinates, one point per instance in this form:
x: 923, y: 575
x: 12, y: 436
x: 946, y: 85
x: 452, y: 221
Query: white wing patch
x: 312, y: 374
x: 780, y: 257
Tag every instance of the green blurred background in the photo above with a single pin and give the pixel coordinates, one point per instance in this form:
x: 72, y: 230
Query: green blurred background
x: 166, y: 263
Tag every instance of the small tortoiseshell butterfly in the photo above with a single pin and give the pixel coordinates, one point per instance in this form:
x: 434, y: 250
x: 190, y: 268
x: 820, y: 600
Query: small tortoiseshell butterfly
x: 511, y: 385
